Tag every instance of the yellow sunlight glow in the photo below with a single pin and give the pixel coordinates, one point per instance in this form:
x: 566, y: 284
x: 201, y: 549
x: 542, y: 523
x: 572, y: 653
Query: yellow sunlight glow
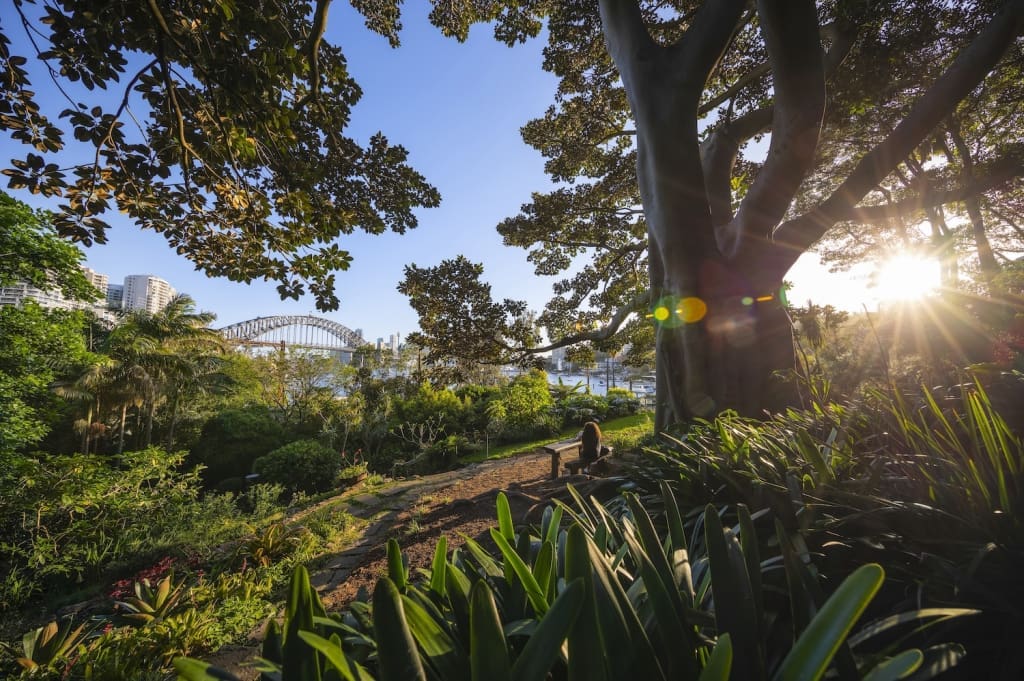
x: 906, y: 277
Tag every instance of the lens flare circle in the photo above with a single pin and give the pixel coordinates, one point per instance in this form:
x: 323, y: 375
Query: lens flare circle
x: 673, y: 311
x: 691, y: 310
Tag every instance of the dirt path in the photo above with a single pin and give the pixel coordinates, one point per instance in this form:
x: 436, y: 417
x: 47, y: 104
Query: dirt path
x: 417, y: 512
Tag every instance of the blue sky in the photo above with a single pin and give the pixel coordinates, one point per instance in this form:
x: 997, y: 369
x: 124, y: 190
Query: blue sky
x: 457, y: 108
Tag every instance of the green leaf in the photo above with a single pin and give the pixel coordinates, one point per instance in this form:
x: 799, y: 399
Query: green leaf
x: 676, y: 636
x: 801, y: 602
x: 505, y: 524
x: 752, y: 556
x: 679, y: 556
x: 896, y: 667
x: 396, y: 566
x: 545, y: 644
x: 809, y: 448
x: 619, y: 623
x: 810, y: 656
x: 458, y: 586
x: 937, y: 660
x: 585, y: 636
x: 537, y: 597
x: 444, y: 655
x: 551, y: 524
x: 487, y: 563
x: 334, y: 654
x: 735, y: 612
x: 544, y: 570
x: 437, y: 567
x: 300, y: 662
x: 396, y: 650
x: 879, y: 626
x: 488, y: 653
x: 720, y: 663
x: 654, y: 553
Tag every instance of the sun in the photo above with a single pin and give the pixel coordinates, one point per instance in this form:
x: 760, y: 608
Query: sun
x: 906, y: 277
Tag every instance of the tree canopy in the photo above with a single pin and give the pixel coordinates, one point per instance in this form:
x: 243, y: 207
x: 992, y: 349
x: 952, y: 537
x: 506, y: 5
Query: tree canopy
x: 32, y: 253
x: 682, y: 218
x: 224, y: 132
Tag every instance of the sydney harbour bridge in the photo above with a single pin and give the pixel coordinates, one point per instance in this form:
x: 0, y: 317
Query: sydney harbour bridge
x: 296, y: 331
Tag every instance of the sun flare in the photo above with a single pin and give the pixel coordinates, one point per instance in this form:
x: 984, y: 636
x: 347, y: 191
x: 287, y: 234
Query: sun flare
x: 906, y: 277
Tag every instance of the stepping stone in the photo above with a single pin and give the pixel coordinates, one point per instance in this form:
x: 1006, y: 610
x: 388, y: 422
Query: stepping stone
x: 365, y: 499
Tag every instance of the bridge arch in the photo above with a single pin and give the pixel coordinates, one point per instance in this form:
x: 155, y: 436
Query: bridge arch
x: 303, y: 328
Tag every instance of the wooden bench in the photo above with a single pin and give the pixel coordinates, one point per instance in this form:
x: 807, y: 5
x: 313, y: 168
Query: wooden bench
x: 555, y: 449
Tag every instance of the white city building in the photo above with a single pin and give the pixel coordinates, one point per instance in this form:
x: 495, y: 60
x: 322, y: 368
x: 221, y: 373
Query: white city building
x: 146, y: 292
x: 53, y: 298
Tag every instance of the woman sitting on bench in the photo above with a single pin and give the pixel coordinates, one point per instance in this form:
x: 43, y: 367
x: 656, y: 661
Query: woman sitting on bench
x: 591, y: 439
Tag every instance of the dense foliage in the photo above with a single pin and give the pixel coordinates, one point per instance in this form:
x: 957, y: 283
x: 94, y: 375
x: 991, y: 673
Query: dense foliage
x: 40, y: 346
x: 82, y: 519
x: 302, y: 466
x: 226, y: 134
x: 233, y: 439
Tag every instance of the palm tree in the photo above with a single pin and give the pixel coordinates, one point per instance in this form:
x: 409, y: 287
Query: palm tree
x: 90, y: 387
x: 172, y: 352
x: 148, y: 359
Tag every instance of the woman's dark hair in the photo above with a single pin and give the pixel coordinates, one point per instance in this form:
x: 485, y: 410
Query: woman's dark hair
x: 591, y: 441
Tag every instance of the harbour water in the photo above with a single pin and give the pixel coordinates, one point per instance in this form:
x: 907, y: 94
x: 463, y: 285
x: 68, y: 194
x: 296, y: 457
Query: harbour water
x: 599, y: 384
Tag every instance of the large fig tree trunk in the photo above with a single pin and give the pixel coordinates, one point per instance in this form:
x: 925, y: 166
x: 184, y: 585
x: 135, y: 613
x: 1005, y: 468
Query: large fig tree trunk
x: 721, y: 329
x: 716, y: 275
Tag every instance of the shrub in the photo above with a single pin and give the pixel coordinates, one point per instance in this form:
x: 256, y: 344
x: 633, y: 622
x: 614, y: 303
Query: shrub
x: 445, y: 452
x: 304, y: 466
x: 67, y: 517
x: 577, y: 409
x: 621, y: 402
x: 523, y: 410
x: 441, y: 405
x: 928, y: 484
x: 231, y: 441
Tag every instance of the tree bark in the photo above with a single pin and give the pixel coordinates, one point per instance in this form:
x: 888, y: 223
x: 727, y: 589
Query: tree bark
x: 986, y: 257
x: 174, y: 422
x: 721, y: 329
x: 120, y: 437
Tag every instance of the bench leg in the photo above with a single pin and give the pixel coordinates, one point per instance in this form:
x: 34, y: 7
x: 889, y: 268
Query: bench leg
x: 556, y: 459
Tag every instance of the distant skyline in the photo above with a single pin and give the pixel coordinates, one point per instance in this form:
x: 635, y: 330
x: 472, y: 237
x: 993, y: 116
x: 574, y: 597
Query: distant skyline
x: 458, y: 109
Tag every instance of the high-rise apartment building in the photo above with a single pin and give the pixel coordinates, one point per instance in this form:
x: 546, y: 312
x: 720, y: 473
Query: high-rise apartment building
x: 146, y: 292
x: 100, y: 281
x: 53, y: 298
x: 139, y: 292
x: 115, y: 296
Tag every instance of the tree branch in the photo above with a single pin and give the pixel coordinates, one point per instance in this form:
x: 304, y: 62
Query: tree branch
x: 709, y: 35
x: 970, y: 67
x: 842, y: 41
x: 316, y: 36
x: 718, y: 156
x: 999, y: 173
x: 751, y: 76
x: 791, y: 35
x: 639, y: 302
x: 720, y: 149
x: 626, y: 35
